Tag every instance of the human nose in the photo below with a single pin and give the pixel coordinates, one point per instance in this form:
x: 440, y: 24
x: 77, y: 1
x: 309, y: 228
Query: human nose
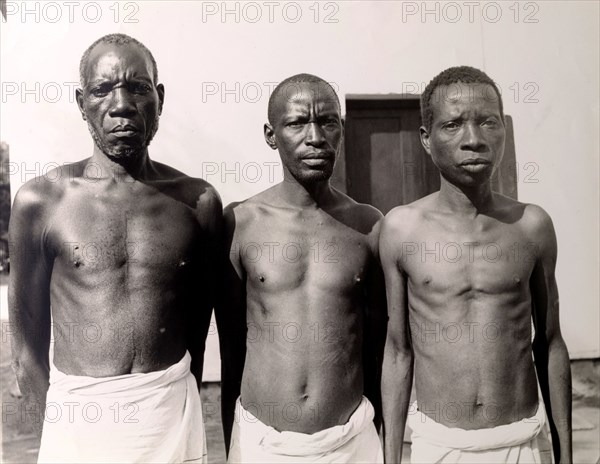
x: 122, y: 103
x: 314, y: 135
x: 473, y: 139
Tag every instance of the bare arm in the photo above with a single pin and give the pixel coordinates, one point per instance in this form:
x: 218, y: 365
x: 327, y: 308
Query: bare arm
x: 231, y: 321
x: 375, y: 327
x: 550, y: 352
x: 209, y: 213
x: 398, y: 356
x: 29, y: 299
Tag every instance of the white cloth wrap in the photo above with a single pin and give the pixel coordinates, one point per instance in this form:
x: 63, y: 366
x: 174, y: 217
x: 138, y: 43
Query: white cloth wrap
x: 524, y: 441
x: 146, y: 417
x: 354, y: 442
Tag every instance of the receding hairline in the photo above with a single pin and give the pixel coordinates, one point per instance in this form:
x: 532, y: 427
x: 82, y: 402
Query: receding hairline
x: 466, y: 75
x: 296, y: 81
x: 116, y: 40
x: 440, y: 88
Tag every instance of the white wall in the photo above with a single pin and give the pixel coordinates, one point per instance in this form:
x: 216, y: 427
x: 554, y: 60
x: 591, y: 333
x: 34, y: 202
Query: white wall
x: 376, y: 47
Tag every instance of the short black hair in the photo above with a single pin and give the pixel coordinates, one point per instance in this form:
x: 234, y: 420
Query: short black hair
x: 293, y: 80
x: 463, y: 74
x: 117, y: 39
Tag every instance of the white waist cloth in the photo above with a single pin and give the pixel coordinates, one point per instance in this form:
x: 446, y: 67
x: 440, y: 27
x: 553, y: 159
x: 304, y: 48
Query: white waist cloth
x: 354, y: 442
x: 151, y: 417
x: 524, y: 441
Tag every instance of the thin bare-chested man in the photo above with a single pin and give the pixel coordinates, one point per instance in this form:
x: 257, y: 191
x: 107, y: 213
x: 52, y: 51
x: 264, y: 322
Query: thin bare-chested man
x: 466, y: 269
x: 304, y: 299
x: 118, y: 246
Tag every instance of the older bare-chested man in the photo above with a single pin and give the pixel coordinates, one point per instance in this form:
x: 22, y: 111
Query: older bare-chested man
x: 119, y: 246
x: 304, y: 299
x: 466, y: 269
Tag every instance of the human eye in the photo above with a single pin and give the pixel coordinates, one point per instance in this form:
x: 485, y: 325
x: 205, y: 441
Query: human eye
x: 451, y: 126
x: 140, y: 88
x: 329, y: 121
x: 490, y: 123
x: 295, y: 123
x: 100, y: 90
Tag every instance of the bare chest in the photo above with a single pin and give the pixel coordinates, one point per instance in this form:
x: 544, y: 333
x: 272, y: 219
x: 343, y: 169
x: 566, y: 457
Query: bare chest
x: 92, y: 234
x: 287, y: 255
x: 491, y: 263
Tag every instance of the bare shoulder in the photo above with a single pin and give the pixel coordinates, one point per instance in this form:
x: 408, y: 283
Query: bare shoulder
x: 42, y: 194
x: 405, y: 221
x: 536, y: 218
x: 240, y: 214
x: 538, y: 227
x: 36, y: 201
x: 533, y: 219
x: 363, y: 211
x: 361, y: 217
x: 194, y: 191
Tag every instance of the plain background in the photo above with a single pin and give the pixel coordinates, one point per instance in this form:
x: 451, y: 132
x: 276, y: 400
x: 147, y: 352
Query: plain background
x: 219, y: 61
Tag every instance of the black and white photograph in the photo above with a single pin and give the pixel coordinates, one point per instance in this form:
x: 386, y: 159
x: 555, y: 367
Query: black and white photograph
x: 300, y: 231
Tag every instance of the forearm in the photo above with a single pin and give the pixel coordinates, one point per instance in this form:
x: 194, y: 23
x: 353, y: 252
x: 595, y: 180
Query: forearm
x: 230, y: 392
x: 33, y: 377
x: 372, y: 390
x: 554, y: 372
x: 559, y: 380
x: 396, y: 386
x: 372, y: 367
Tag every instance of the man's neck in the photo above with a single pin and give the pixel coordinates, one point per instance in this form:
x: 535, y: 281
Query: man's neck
x: 466, y: 201
x: 306, y: 196
x: 129, y: 169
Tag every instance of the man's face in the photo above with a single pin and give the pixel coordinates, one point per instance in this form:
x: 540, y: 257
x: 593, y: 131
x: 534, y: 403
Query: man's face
x: 120, y: 101
x: 307, y: 130
x: 466, y: 140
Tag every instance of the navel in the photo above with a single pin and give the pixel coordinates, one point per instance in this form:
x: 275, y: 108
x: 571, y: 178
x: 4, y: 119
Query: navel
x: 261, y: 278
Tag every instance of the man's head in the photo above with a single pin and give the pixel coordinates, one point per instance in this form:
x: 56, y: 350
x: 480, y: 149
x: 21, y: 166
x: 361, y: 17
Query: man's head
x: 463, y: 125
x: 450, y: 76
x: 305, y: 126
x: 120, y: 98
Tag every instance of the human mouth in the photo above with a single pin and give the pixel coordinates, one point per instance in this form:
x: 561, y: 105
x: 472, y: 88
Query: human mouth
x: 126, y: 130
x: 317, y: 159
x: 475, y: 164
x: 318, y: 156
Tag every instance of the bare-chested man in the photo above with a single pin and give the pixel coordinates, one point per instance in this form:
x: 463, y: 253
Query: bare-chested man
x: 118, y: 246
x: 466, y: 269
x: 304, y: 299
